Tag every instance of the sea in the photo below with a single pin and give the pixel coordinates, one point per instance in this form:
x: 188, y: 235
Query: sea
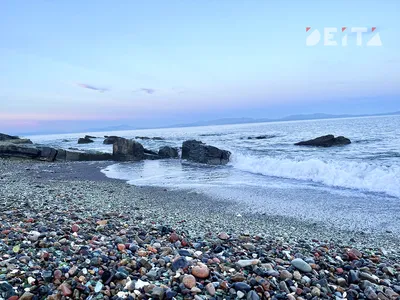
x: 356, y: 186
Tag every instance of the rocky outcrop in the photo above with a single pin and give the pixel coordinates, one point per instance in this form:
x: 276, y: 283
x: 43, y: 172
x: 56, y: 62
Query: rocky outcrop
x: 86, y: 156
x: 90, y: 137
x: 168, y: 152
x: 13, y: 139
x: 20, y: 151
x: 325, y: 141
x: 199, y: 152
x: 6, y: 137
x: 124, y: 149
x: 109, y: 140
x: 20, y: 141
x: 85, y: 140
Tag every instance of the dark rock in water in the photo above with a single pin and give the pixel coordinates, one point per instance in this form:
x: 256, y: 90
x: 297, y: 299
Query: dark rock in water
x: 90, y: 137
x: 85, y: 140
x: 168, y: 152
x: 261, y: 137
x: 109, y: 140
x: 6, y: 137
x: 124, y: 149
x: 325, y: 141
x: 156, y: 138
x: 87, y: 156
x: 199, y: 152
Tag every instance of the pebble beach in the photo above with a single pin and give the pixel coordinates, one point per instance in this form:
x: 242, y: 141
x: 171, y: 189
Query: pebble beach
x: 68, y: 232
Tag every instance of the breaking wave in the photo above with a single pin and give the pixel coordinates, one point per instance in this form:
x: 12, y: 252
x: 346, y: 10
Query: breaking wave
x: 364, y: 176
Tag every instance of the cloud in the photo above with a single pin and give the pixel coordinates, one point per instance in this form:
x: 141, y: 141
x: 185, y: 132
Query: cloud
x: 149, y: 91
x: 91, y: 87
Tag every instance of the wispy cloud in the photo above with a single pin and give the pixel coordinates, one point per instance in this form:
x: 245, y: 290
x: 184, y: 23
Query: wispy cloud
x: 91, y: 87
x: 149, y: 91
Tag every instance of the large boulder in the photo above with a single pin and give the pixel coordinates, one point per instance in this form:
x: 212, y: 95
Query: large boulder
x: 199, y: 152
x: 168, y: 152
x: 47, y: 153
x: 109, y: 140
x: 124, y: 149
x: 325, y: 141
x: 85, y: 140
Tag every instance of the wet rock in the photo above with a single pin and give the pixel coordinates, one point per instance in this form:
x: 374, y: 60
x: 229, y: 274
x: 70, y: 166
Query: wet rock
x: 199, y: 152
x: 168, y: 152
x: 325, y: 141
x: 85, y: 140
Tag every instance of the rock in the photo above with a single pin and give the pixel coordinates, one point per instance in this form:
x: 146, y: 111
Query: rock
x: 353, y: 277
x: 90, y: 137
x: 247, y: 262
x: 158, y: 293
x: 19, y: 141
x: 370, y: 293
x: 316, y: 292
x: 27, y: 296
x: 285, y: 275
x: 223, y: 236
x: 241, y: 286
x: 85, y: 140
x: 6, y: 137
x: 75, y: 228
x: 13, y: 150
x: 87, y: 156
x: 65, y: 290
x: 109, y: 140
x: 325, y: 141
x: 199, y: 152
x: 47, y: 153
x: 261, y: 137
x: 189, y: 281
x: 124, y: 149
x: 98, y: 287
x: 201, y: 271
x: 252, y: 295
x: 210, y: 289
x: 168, y: 152
x: 301, y: 265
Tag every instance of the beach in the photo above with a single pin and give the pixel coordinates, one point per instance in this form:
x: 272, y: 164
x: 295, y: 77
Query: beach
x: 57, y: 218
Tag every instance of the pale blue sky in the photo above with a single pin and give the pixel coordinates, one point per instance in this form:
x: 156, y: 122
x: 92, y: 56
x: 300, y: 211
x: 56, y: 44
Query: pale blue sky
x: 151, y: 63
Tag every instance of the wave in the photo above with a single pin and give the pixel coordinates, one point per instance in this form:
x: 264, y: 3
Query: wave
x: 345, y: 174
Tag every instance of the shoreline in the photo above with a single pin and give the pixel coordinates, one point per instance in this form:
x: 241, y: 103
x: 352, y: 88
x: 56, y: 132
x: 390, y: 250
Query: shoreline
x: 169, y: 200
x: 59, y: 208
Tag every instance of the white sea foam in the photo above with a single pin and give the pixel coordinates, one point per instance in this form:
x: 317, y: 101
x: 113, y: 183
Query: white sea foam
x: 346, y: 174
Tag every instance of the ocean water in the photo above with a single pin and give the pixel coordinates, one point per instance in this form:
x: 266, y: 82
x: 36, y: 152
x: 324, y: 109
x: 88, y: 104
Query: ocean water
x: 358, y: 181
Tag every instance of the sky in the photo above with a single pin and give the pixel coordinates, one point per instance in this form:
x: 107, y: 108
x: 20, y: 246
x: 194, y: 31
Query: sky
x: 70, y: 65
